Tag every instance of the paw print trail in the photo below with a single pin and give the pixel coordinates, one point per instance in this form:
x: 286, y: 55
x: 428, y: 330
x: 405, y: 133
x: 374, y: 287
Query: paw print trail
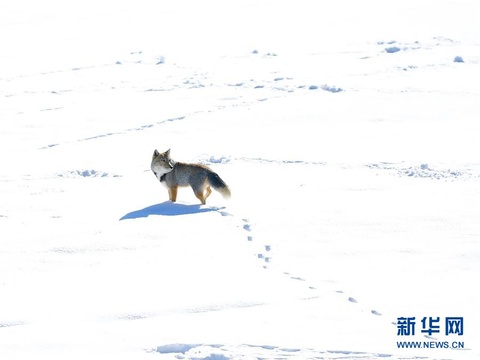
x: 263, y: 252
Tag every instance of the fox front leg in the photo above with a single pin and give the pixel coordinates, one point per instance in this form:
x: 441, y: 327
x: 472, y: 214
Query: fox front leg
x: 172, y: 193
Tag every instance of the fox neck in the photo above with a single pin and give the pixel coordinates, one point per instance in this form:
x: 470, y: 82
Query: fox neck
x: 160, y: 173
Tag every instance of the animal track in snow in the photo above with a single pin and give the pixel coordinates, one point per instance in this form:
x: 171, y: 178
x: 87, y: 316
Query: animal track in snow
x: 10, y: 324
x: 424, y: 171
x: 247, y: 227
x: 354, y: 301
x: 86, y: 174
x: 260, y: 255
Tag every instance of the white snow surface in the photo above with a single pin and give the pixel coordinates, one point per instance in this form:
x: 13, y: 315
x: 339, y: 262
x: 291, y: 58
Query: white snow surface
x: 348, y: 132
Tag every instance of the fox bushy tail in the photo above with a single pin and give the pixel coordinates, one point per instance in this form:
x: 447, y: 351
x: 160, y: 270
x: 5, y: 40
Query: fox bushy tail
x: 218, y: 184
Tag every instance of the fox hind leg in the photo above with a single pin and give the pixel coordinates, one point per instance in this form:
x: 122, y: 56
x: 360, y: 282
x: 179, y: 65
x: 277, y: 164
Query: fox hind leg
x: 200, y: 197
x: 208, y: 191
x: 199, y: 192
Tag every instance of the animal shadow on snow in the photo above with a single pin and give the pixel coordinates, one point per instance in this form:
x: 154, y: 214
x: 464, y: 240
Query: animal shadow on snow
x: 168, y: 208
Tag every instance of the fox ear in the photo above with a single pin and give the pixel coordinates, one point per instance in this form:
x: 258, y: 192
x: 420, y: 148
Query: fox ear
x: 167, y: 153
x: 155, y: 153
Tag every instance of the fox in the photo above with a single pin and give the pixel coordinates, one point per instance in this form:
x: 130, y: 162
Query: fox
x: 200, y: 178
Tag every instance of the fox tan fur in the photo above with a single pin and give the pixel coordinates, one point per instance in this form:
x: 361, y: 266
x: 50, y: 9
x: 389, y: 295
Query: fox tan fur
x: 199, y: 177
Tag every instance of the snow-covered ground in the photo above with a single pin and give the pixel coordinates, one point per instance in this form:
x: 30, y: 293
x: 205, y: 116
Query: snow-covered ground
x: 348, y: 132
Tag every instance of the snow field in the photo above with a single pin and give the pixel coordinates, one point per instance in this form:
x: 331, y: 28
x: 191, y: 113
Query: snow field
x: 349, y: 138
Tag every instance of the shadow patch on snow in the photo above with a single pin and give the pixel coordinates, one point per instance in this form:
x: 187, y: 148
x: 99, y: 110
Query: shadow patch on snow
x: 86, y: 173
x: 392, y: 49
x: 193, y: 351
x: 175, y: 348
x: 215, y: 160
x: 168, y: 208
x: 209, y: 351
x: 332, y: 89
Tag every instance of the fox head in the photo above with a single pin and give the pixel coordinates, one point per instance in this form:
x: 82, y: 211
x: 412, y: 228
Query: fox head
x: 161, y: 163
